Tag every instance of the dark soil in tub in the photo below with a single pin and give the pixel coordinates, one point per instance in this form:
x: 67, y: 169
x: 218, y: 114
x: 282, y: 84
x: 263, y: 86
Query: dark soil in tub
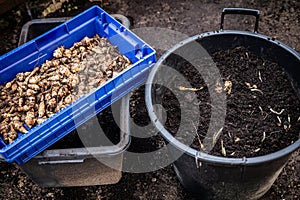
x: 109, y: 127
x: 263, y: 109
x: 265, y: 118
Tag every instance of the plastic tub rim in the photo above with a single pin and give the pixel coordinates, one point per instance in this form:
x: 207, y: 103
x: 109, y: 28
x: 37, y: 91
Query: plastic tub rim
x: 24, y: 31
x: 86, y: 152
x: 202, y: 156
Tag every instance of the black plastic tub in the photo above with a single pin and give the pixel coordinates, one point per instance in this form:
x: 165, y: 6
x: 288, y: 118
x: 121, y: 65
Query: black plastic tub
x: 211, y: 177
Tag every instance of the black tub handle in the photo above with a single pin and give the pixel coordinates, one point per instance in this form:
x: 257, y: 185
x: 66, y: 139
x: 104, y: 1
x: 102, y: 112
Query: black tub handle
x: 240, y: 11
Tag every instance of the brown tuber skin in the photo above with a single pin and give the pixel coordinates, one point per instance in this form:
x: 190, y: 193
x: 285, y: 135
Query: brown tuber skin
x: 34, y: 96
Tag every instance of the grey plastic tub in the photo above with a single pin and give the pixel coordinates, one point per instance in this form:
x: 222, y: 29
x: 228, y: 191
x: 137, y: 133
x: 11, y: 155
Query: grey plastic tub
x: 77, y: 166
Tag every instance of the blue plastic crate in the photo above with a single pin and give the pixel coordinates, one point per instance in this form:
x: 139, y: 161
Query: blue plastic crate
x: 35, y: 52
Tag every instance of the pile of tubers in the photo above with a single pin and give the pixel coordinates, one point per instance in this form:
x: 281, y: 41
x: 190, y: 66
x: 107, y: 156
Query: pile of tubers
x: 32, y: 97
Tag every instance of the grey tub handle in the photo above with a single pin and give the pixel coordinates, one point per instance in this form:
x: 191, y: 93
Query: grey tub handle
x: 53, y: 162
x: 124, y: 20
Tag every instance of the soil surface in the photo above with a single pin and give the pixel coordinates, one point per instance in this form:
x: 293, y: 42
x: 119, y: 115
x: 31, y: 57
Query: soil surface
x: 262, y: 111
x: 86, y: 131
x: 262, y: 107
x: 279, y: 19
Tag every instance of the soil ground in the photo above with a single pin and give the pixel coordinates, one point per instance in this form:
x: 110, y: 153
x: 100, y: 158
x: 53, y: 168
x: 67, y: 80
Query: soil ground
x: 279, y: 19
